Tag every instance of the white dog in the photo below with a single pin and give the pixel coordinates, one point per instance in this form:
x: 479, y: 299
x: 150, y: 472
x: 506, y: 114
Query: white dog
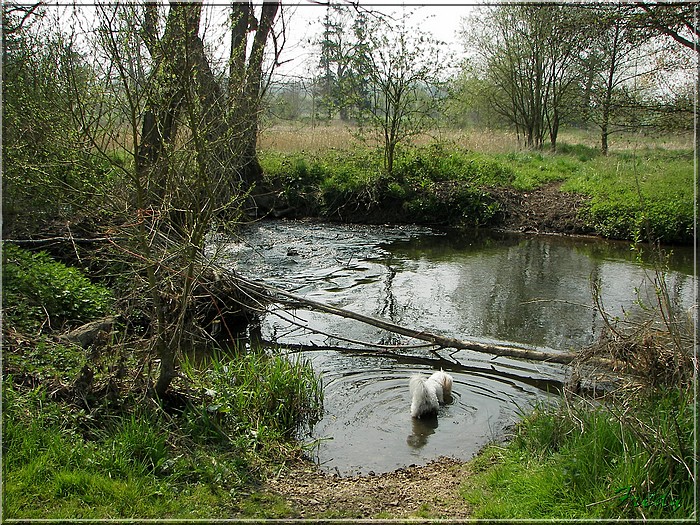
x: 429, y: 392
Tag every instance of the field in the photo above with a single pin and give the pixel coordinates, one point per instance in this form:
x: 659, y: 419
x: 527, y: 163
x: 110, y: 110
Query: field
x: 291, y: 138
x: 643, y: 189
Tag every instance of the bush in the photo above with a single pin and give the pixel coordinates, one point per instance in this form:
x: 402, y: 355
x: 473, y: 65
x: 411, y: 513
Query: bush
x: 436, y: 164
x: 37, y: 289
x: 449, y: 203
x: 257, y: 395
x: 671, y: 222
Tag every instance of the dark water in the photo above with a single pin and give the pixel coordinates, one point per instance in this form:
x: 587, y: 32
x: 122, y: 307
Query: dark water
x: 491, y: 287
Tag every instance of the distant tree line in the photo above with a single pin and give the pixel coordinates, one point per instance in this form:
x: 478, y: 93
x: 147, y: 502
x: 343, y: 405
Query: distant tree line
x: 532, y: 67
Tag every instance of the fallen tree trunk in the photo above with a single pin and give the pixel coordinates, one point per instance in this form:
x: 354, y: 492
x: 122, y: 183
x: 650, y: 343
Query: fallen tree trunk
x: 282, y: 296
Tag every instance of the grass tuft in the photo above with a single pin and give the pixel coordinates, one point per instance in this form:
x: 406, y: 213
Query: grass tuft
x: 579, y: 461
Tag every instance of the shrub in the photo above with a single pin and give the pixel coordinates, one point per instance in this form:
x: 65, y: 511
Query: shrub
x: 257, y: 395
x: 435, y: 164
x: 670, y: 222
x: 450, y: 203
x: 37, y: 289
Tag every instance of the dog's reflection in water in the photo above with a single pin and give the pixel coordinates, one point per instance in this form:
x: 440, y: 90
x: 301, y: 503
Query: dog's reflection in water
x: 422, y: 429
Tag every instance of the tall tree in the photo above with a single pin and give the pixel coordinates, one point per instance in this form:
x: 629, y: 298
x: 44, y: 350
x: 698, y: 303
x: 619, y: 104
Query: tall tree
x: 247, y: 80
x: 626, y: 56
x: 612, y: 61
x: 404, y: 71
x: 343, y: 61
x: 193, y: 143
x: 530, y: 55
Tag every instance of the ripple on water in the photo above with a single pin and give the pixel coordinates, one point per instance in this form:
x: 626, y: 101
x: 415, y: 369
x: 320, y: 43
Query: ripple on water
x: 367, y: 426
x: 531, y: 290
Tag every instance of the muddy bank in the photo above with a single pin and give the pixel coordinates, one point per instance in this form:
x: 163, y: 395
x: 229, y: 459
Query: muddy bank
x: 429, y: 491
x: 543, y: 210
x: 546, y: 209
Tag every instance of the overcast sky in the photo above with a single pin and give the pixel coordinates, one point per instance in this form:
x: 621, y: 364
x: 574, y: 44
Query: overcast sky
x: 305, y: 25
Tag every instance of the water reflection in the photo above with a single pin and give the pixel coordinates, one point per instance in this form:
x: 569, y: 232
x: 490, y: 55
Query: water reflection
x: 421, y: 430
x: 527, y: 290
x: 532, y: 290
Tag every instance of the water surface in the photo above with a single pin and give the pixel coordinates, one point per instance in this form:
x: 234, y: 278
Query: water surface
x: 532, y: 291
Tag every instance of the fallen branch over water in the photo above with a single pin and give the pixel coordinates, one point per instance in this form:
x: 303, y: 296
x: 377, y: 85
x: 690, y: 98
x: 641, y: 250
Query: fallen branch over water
x: 271, y: 293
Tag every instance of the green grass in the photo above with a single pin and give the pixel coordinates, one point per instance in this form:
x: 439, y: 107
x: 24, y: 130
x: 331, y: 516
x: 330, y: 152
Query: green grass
x: 264, y: 397
x: 113, y: 451
x: 50, y: 470
x: 201, y: 461
x: 629, y: 190
x: 579, y: 461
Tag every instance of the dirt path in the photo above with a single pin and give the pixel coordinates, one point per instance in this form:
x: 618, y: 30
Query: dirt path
x: 431, y: 491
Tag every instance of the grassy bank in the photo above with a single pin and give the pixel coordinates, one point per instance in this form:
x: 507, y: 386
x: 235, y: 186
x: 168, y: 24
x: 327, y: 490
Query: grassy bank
x: 581, y: 461
x: 83, y: 438
x: 629, y: 453
x: 627, y: 194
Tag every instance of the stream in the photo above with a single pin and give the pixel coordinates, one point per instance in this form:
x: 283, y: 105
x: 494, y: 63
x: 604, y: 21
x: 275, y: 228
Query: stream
x: 529, y: 290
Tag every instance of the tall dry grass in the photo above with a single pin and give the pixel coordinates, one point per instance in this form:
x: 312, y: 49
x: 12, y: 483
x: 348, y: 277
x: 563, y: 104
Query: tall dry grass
x: 319, y: 137
x: 291, y: 138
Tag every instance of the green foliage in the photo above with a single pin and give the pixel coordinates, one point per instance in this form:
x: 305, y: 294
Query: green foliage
x: 534, y: 169
x: 634, y: 194
x: 298, y: 184
x: 449, y: 204
x: 45, y: 360
x: 430, y: 185
x: 37, y: 289
x: 581, y: 152
x: 258, y: 396
x: 59, y: 462
x: 581, y: 461
x: 437, y: 164
x: 629, y: 192
x: 50, y: 470
x: 47, y: 172
x: 135, y: 444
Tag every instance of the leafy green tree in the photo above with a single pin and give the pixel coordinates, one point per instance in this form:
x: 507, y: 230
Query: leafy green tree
x: 404, y: 76
x: 47, y: 170
x: 136, y: 95
x: 530, y: 56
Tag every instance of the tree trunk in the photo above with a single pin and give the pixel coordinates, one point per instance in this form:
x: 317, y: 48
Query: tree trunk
x: 271, y: 293
x: 554, y: 130
x: 604, y: 138
x: 246, y: 86
x: 252, y: 94
x: 609, y: 86
x: 220, y: 153
x: 167, y: 93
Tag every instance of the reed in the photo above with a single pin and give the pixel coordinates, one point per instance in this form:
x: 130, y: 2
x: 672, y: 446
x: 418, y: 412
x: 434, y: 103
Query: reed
x: 256, y: 394
x: 319, y: 137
